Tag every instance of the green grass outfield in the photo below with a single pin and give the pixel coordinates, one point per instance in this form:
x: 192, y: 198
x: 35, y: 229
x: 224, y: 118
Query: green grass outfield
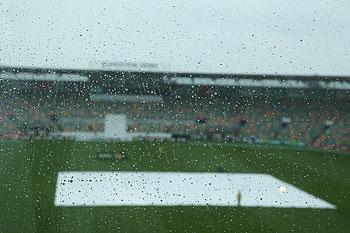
x: 28, y: 172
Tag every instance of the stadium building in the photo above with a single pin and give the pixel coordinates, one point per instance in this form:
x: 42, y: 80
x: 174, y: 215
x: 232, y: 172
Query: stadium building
x: 300, y: 111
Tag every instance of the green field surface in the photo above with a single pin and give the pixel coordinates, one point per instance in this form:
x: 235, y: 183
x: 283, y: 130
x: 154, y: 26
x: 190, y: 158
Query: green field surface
x: 28, y: 172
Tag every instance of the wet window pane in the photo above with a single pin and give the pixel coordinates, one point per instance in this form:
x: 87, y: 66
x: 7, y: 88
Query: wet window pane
x: 174, y: 116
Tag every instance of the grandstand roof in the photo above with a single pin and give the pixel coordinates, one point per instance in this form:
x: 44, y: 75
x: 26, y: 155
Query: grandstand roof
x: 152, y: 74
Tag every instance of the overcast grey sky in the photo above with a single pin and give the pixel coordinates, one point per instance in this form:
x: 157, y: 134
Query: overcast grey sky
x: 228, y: 36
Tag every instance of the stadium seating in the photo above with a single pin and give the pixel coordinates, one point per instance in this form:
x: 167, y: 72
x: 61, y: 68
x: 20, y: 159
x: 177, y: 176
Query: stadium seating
x: 257, y: 121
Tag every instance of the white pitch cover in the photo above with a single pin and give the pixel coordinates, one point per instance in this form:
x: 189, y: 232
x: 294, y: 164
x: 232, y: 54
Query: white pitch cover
x: 179, y: 189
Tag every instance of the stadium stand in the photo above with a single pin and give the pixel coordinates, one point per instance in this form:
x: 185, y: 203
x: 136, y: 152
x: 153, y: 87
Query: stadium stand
x: 199, y: 113
x: 244, y: 122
